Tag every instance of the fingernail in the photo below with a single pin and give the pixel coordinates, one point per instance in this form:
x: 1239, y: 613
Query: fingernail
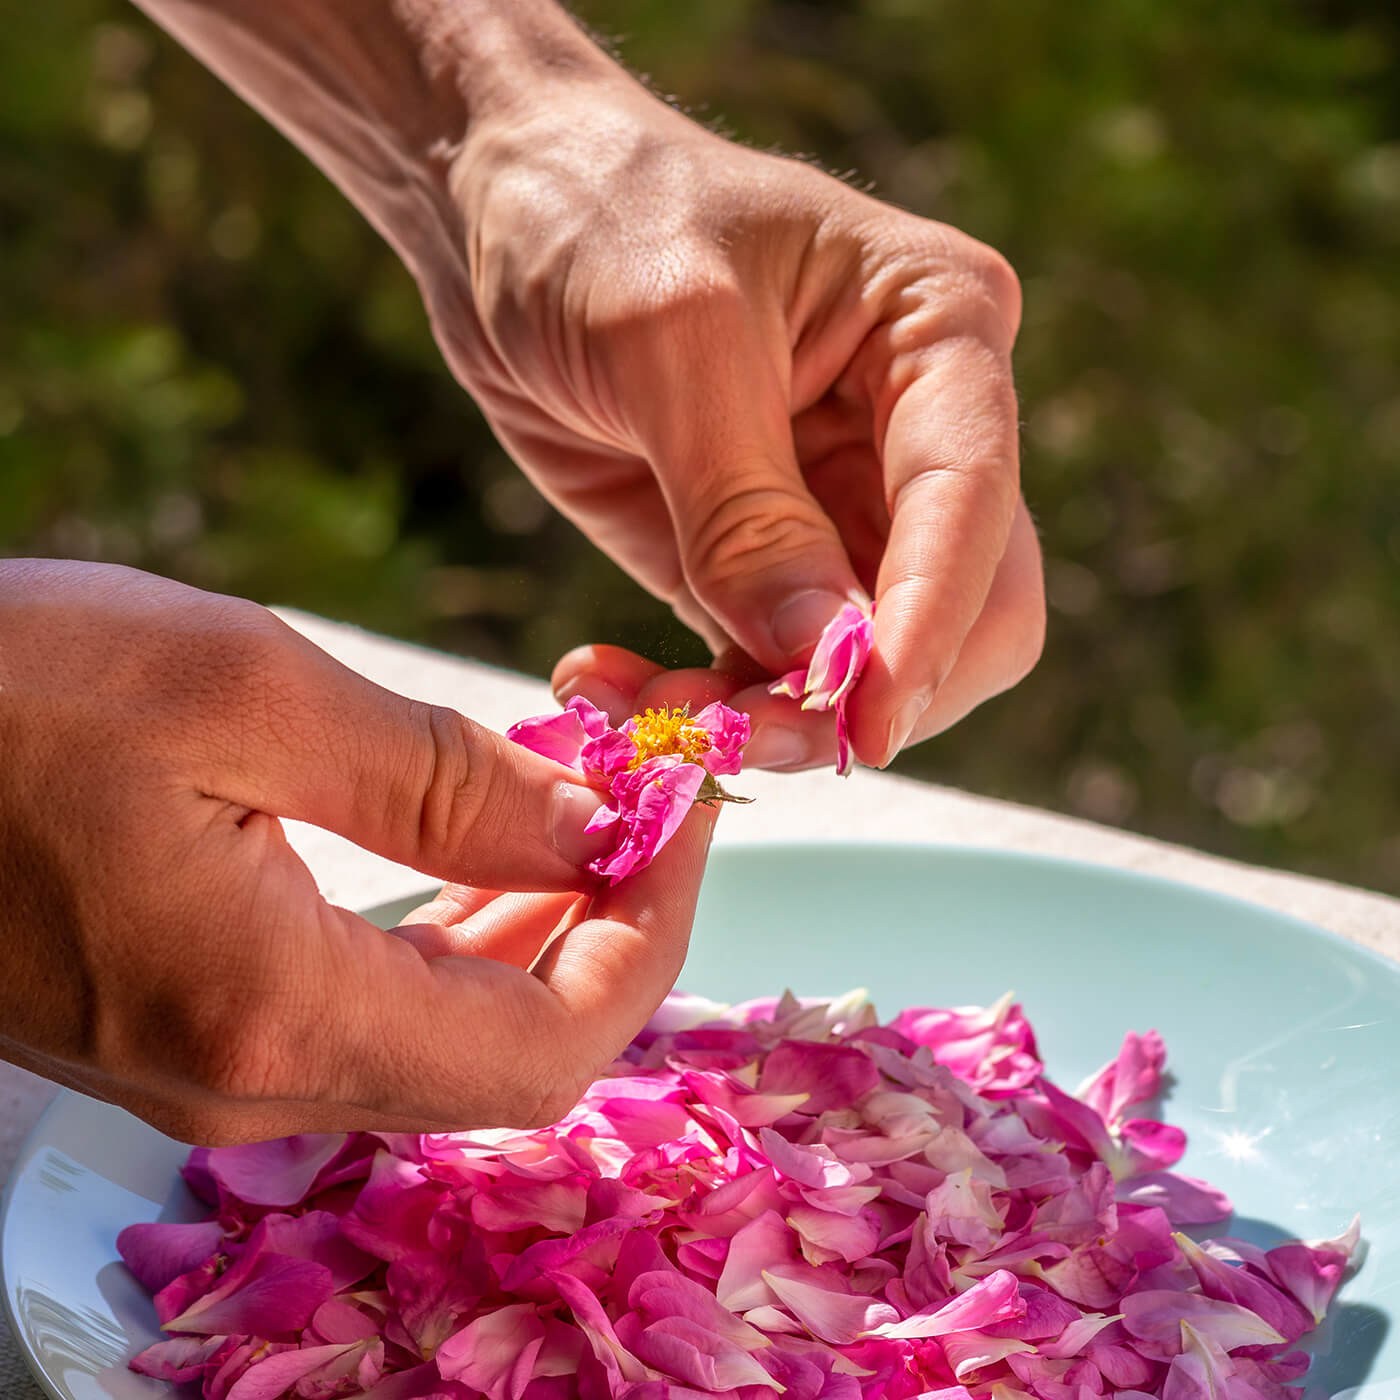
x: 798, y: 622
x: 606, y: 697
x: 902, y: 725
x: 573, y: 807
x: 775, y: 747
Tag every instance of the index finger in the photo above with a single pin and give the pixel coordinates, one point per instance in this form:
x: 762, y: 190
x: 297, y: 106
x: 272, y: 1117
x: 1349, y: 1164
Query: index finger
x: 952, y: 479
x: 462, y: 1042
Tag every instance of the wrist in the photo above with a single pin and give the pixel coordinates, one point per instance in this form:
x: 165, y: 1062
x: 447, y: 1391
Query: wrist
x: 509, y: 59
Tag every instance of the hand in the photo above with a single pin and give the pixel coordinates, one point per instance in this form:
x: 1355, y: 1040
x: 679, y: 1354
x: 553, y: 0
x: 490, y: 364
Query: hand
x: 756, y: 388
x: 761, y: 392
x: 164, y: 948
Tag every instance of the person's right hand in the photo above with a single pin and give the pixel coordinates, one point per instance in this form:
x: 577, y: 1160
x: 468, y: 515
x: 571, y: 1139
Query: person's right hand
x: 163, y: 947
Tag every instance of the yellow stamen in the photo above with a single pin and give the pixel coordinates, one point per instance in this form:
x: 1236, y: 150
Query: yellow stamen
x: 666, y: 731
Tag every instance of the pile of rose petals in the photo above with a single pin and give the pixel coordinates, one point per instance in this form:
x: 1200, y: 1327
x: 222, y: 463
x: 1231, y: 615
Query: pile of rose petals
x: 779, y: 1198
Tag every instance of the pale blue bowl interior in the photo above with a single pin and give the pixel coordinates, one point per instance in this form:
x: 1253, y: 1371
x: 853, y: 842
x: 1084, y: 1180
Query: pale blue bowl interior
x: 1283, y: 1040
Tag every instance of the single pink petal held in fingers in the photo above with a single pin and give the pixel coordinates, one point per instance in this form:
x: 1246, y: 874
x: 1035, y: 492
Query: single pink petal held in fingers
x: 840, y: 656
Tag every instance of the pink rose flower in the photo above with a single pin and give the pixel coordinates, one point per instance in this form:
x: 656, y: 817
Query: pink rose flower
x: 655, y: 767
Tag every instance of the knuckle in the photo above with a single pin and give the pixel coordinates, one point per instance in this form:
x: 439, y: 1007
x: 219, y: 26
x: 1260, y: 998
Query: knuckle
x: 455, y: 790
x: 1001, y: 286
x: 746, y: 527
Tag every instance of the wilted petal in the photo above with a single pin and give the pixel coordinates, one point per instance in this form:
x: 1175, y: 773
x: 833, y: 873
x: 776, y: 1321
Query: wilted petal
x: 315, y: 1236
x: 496, y: 1352
x: 1237, y: 1284
x: 830, y: 1076
x: 1045, y: 1315
x: 275, y: 1376
x: 830, y: 1236
x: 727, y: 1209
x: 337, y: 1320
x: 276, y: 1173
x: 826, y: 1312
x: 159, y: 1252
x: 236, y: 1361
x: 1093, y: 1278
x: 392, y: 1213
x: 666, y: 1292
x: 519, y: 1203
x: 1312, y: 1272
x: 433, y: 1292
x: 991, y: 1048
x: 696, y: 1356
x: 747, y: 1106
x: 1185, y: 1199
x: 814, y: 1166
x: 1149, y: 1146
x: 263, y: 1295
x: 1202, y: 1371
x: 1160, y: 1315
x: 995, y: 1299
x: 1123, y: 1366
x: 963, y: 1210
x: 592, y: 1251
x: 764, y: 1241
x: 423, y: 1382
x: 683, y: 1011
x: 1134, y: 1077
x: 969, y: 1352
x: 1077, y: 1335
x: 178, y: 1358
x: 593, y: 1321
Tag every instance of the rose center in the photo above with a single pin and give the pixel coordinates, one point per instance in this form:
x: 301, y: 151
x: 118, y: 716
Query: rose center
x: 665, y: 731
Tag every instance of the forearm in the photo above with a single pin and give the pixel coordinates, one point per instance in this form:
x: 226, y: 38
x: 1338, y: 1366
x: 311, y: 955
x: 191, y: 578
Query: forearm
x: 382, y: 93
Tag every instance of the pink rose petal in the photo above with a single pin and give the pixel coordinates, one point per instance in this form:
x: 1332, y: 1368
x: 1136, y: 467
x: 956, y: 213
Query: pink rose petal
x: 781, y: 1197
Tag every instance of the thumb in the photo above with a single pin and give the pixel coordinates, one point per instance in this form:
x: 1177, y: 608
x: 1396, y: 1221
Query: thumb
x: 758, y: 551
x: 419, y: 784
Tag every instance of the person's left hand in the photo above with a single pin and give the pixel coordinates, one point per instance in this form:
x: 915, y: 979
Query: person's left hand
x: 762, y: 392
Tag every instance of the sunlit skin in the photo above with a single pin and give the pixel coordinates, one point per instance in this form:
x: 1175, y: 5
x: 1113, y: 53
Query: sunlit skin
x: 760, y: 391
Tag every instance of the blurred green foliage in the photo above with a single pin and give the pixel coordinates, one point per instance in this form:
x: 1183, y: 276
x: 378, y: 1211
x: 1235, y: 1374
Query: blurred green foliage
x: 209, y: 367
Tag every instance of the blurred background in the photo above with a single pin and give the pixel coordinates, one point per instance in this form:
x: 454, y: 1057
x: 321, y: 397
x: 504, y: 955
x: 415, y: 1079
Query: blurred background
x: 210, y: 368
